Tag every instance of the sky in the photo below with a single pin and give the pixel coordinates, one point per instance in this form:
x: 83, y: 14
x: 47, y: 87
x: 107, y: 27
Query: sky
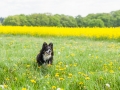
x: 67, y: 7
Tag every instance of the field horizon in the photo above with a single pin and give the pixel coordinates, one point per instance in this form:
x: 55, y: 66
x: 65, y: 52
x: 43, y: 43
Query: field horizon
x: 79, y: 64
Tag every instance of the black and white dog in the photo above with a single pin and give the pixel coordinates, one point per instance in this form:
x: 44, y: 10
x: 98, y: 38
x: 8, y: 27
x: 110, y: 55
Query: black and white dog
x: 45, y: 55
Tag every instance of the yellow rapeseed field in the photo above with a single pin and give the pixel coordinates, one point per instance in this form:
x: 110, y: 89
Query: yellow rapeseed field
x: 62, y: 31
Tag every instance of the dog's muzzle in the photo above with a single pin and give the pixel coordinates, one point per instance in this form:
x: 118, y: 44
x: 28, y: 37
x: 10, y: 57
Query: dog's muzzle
x: 48, y: 52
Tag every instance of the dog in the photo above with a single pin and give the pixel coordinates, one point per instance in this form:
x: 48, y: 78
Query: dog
x: 45, y: 55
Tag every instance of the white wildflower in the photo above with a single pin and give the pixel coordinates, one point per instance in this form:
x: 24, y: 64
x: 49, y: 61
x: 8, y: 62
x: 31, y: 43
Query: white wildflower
x: 107, y: 85
x: 58, y: 53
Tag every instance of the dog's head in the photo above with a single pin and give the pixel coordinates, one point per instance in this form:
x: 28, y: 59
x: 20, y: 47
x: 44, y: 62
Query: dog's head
x: 47, y: 48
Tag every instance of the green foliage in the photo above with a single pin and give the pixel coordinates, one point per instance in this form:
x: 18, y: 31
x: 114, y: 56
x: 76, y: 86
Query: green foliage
x: 116, y: 18
x: 68, y: 21
x: 111, y: 19
x: 79, y: 21
x: 79, y: 64
x: 54, y: 20
x: 96, y: 23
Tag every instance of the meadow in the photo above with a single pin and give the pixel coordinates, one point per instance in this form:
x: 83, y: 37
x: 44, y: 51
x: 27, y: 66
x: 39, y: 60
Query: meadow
x: 79, y: 64
x: 84, y: 58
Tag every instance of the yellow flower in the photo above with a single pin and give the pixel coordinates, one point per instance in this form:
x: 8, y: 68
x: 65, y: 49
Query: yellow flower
x: 79, y: 72
x: 61, y: 79
x: 72, y: 54
x: 111, y: 71
x: 53, y: 87
x: 119, y: 68
x: 87, y: 32
x: 33, y: 81
x: 60, y: 63
x: 28, y: 66
x: 111, y: 63
x: 16, y: 78
x: 3, y: 86
x: 70, y: 75
x: 75, y: 65
x: 7, y: 79
x: 57, y: 75
x: 47, y: 76
x: 81, y: 83
x: 87, y: 78
x: 24, y: 89
x: 61, y: 69
x: 85, y: 75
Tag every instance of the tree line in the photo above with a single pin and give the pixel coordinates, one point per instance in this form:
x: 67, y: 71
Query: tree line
x: 111, y: 19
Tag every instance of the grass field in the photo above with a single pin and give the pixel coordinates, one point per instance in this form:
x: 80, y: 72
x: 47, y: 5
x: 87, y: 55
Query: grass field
x: 79, y: 64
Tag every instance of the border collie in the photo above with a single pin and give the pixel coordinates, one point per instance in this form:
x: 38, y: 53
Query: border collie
x: 45, y: 55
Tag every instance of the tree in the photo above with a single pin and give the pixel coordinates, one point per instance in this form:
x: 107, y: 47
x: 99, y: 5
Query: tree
x: 111, y: 19
x: 10, y: 20
x: 44, y: 20
x: 68, y: 21
x: 54, y: 20
x: 79, y: 21
x: 115, y: 18
x: 106, y: 18
x: 96, y: 23
x: 23, y: 20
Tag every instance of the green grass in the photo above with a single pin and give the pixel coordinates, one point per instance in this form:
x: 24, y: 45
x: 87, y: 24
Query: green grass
x: 79, y: 64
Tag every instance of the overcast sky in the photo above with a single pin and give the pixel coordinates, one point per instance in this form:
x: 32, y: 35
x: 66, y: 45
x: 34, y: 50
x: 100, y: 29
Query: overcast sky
x: 67, y: 7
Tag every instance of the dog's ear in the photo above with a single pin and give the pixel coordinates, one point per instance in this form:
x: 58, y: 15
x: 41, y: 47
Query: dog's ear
x: 51, y: 45
x: 44, y: 45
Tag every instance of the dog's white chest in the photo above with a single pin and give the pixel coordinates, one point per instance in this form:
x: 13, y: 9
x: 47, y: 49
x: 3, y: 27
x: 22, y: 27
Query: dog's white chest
x: 46, y: 57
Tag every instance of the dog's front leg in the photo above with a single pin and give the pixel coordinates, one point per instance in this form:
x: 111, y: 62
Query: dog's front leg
x: 50, y: 61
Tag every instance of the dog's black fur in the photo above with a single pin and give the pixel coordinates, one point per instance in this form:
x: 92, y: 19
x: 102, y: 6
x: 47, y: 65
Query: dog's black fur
x: 45, y: 55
